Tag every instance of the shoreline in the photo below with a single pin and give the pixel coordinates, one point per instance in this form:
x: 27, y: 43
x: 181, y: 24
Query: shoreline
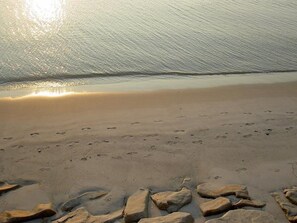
x: 123, y: 141
x: 141, y: 84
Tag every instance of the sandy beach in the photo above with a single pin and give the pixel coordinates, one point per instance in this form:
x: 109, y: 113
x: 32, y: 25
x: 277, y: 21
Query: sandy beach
x: 56, y: 148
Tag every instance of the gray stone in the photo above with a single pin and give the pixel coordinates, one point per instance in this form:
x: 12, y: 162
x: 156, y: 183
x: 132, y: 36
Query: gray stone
x: 216, y: 206
x: 137, y: 206
x: 211, y: 190
x: 176, y: 217
x: 40, y: 211
x: 74, y: 202
x: 289, y: 208
x: 244, y: 216
x: 172, y: 201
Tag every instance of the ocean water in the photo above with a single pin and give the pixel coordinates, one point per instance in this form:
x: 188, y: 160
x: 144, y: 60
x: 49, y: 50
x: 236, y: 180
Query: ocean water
x: 65, y: 42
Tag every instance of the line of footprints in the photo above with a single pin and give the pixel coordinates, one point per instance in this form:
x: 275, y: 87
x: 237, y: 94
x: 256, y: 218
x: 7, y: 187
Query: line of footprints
x: 228, y: 199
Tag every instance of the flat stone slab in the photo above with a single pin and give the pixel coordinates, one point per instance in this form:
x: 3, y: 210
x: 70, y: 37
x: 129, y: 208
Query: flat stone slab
x: 137, y: 206
x: 176, y: 217
x: 249, y: 203
x: 289, y: 208
x: 244, y: 216
x: 291, y: 195
x: 5, y: 187
x: 211, y: 190
x: 81, y: 215
x: 216, y: 206
x: 74, y: 202
x: 40, y: 211
x: 172, y: 201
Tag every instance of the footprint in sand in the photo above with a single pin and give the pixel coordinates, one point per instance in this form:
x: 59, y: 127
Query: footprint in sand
x: 241, y: 169
x: 221, y: 137
x: 84, y: 159
x: 99, y: 155
x: 289, y: 128
x: 268, y: 131
x: 7, y: 138
x: 249, y: 123
x: 148, y: 155
x: 127, y: 136
x: 89, y: 144
x: 34, y: 134
x: 152, y: 135
x: 131, y: 153
x: 85, y: 128
x: 153, y: 147
x: 179, y: 130
x: 270, y: 119
x: 290, y: 112
x: 117, y: 157
x: 60, y: 133
x: 171, y: 142
x: 2, y: 150
x: 247, y: 113
x: 44, y: 169
x: 17, y: 146
x: 268, y: 111
x: 248, y: 136
x: 106, y: 141
x: 135, y: 123
x: 110, y: 128
x: 196, y: 142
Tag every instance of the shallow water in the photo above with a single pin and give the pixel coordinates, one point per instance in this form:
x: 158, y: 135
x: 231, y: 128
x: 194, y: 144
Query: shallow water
x: 67, y: 40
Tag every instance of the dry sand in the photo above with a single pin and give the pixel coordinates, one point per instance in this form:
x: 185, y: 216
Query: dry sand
x: 60, y: 147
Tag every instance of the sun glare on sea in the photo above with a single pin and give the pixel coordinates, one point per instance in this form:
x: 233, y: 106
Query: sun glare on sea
x: 44, y: 10
x: 51, y: 93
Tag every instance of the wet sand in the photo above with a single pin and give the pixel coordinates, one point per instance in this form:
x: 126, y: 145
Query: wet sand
x: 59, y: 147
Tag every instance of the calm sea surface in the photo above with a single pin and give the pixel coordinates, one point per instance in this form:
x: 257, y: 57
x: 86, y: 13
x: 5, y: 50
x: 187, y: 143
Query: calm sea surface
x: 65, y: 41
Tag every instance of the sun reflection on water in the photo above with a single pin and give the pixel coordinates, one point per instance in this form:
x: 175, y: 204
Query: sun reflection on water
x: 45, y: 15
x: 44, y: 10
x: 51, y: 93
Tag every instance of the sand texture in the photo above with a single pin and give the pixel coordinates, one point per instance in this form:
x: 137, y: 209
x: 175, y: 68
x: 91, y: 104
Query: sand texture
x: 57, y: 149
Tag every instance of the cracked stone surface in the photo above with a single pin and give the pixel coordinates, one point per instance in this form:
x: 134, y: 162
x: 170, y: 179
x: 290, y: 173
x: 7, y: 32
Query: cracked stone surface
x: 176, y: 217
x: 249, y: 203
x: 74, y: 202
x: 291, y: 194
x: 137, y: 206
x: 216, y: 206
x: 81, y: 215
x: 212, y: 190
x: 40, y: 211
x: 289, y: 208
x: 244, y: 216
x: 172, y: 201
